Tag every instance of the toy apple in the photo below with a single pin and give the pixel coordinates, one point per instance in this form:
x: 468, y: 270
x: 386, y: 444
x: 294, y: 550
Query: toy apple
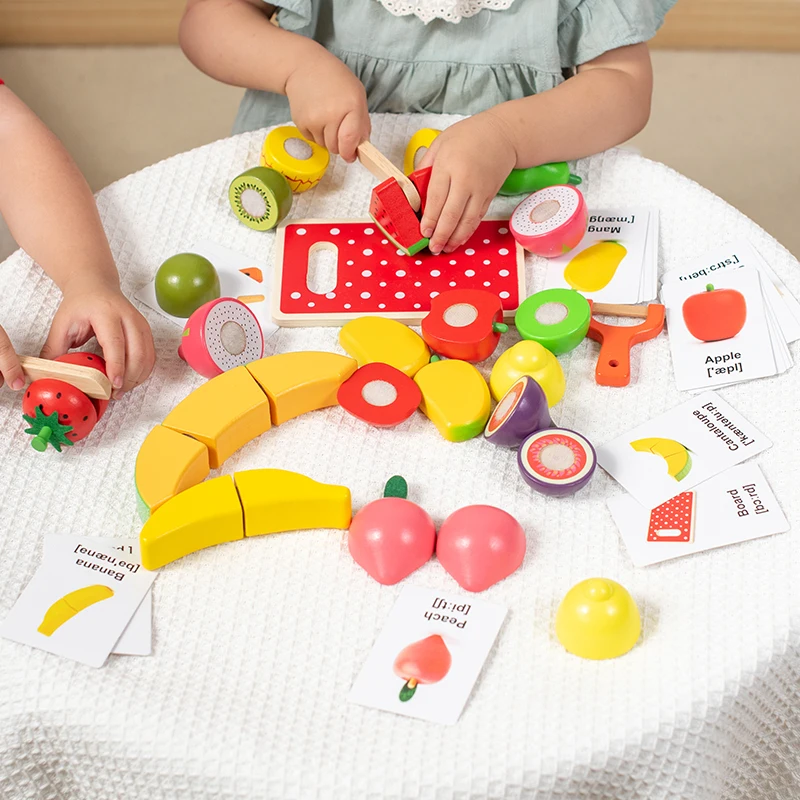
x: 715, y: 314
x: 528, y: 358
x: 220, y: 335
x: 425, y: 661
x: 465, y: 324
x: 184, y: 282
x: 522, y: 411
x: 391, y: 537
x: 480, y: 545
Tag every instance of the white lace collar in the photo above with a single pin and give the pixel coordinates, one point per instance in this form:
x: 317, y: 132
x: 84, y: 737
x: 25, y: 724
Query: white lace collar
x: 449, y: 10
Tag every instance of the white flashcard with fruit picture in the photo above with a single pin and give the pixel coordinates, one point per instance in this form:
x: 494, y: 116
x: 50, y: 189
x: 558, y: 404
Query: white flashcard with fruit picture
x: 677, y: 451
x: 733, y: 507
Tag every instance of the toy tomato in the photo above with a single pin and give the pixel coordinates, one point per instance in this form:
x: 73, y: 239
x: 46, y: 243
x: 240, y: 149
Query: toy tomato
x: 58, y: 413
x: 715, y: 314
x: 425, y: 661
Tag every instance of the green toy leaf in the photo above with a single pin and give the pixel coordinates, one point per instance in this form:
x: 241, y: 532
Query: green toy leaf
x: 396, y: 486
x: 46, y: 429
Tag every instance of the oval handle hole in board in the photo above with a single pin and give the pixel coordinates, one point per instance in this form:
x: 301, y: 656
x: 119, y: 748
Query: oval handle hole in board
x: 323, y: 267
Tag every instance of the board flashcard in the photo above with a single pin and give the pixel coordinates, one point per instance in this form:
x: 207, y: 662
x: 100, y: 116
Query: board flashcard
x: 374, y: 277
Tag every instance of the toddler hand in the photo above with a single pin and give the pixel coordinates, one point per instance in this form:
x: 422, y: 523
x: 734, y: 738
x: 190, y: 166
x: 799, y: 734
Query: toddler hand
x: 10, y: 369
x: 470, y: 160
x: 329, y: 105
x: 121, y: 331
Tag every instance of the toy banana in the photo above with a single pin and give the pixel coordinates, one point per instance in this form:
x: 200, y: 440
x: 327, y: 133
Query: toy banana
x: 71, y: 604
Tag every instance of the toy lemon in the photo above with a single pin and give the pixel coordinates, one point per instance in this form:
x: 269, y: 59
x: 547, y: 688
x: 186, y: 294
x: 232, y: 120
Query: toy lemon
x: 423, y: 138
x: 300, y: 161
x: 598, y: 619
x: 528, y: 358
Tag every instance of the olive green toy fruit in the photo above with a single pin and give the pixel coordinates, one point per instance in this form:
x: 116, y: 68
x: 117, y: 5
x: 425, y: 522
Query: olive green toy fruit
x: 185, y: 282
x: 526, y: 181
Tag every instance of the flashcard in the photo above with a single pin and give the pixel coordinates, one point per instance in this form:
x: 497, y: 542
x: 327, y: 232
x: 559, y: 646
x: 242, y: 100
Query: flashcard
x: 239, y: 277
x: 137, y: 638
x: 680, y: 449
x: 79, y: 601
x: 718, y: 333
x: 615, y: 262
x: 429, y: 655
x: 733, y: 507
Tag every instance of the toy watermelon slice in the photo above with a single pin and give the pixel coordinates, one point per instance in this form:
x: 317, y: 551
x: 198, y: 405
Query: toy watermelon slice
x: 392, y: 213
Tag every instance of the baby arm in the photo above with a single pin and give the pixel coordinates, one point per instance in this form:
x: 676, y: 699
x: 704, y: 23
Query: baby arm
x: 235, y: 42
x: 606, y: 103
x: 52, y: 215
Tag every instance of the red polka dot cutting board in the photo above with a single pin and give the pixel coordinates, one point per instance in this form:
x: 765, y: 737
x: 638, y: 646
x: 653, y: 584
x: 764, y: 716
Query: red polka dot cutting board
x: 374, y: 277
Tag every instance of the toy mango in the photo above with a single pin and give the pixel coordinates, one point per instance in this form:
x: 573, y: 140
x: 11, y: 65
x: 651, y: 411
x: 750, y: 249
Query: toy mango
x: 528, y: 358
x: 377, y: 339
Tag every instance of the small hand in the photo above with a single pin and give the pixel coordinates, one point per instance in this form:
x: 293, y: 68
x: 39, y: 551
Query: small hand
x: 470, y: 160
x: 10, y: 369
x: 329, y: 105
x: 121, y: 331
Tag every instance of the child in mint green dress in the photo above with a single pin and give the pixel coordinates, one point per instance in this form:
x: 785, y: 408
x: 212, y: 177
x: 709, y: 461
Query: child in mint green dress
x: 543, y: 80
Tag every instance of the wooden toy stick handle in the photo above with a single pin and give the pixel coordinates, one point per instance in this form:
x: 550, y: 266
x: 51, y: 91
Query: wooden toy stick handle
x: 90, y: 381
x: 380, y: 166
x: 611, y: 310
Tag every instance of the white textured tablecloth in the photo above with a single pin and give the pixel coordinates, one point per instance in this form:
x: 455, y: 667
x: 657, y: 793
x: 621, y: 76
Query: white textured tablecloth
x: 257, y: 643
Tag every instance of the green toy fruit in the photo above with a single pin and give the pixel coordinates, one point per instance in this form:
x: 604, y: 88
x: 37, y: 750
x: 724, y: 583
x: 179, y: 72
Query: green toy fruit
x: 260, y: 198
x: 526, y: 181
x: 184, y: 283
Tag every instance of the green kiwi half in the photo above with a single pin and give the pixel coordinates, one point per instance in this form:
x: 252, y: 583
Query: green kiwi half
x: 260, y: 198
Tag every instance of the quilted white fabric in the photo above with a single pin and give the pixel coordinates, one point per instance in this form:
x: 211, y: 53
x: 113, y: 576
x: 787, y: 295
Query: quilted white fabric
x: 258, y: 642
x: 450, y: 10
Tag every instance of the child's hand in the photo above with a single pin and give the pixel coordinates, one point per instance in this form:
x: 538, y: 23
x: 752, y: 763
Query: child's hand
x: 10, y: 369
x: 470, y: 159
x: 121, y: 331
x: 329, y: 105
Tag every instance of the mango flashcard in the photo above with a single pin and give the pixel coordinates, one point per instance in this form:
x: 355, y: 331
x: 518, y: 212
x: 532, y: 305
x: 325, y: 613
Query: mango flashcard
x: 80, y: 600
x: 617, y: 260
x: 733, y: 507
x: 429, y: 655
x: 680, y: 449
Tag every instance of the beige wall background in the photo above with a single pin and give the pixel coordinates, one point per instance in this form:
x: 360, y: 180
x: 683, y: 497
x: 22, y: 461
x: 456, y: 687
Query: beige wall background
x: 726, y: 109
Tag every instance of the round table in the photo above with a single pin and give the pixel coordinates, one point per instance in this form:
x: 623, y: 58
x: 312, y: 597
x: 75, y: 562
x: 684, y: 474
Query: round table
x: 257, y: 643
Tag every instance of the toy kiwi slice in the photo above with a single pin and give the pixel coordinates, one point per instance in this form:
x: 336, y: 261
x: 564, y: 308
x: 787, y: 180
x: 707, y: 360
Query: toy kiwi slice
x: 260, y: 198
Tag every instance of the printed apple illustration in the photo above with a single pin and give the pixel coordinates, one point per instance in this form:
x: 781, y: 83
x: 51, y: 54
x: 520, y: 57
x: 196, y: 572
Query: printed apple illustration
x: 425, y: 661
x: 464, y: 324
x: 391, y: 537
x: 716, y: 314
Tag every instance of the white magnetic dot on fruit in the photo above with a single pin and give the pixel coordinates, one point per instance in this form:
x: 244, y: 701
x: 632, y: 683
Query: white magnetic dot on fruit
x: 470, y: 273
x: 379, y: 393
x: 335, y: 231
x: 297, y: 148
x: 452, y: 283
x: 433, y: 294
x: 401, y: 273
x: 435, y: 273
x: 351, y: 241
x: 366, y: 274
x: 503, y: 230
x: 503, y: 251
x: 486, y: 261
x: 460, y: 315
x: 253, y: 203
x: 557, y: 457
x: 470, y: 252
x: 296, y: 295
x: 367, y: 252
x: 331, y: 295
x: 551, y: 313
x: 349, y: 284
x: 301, y: 231
x: 417, y: 283
x: 503, y: 273
x: 487, y: 283
x: 504, y: 295
x: 347, y: 305
x: 369, y: 231
x: 311, y: 304
x: 365, y: 295
x: 233, y: 337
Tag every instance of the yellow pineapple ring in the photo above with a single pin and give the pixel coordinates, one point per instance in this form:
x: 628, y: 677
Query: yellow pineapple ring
x: 300, y: 161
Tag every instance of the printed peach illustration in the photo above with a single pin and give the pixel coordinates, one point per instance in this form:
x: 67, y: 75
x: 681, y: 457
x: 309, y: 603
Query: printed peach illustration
x: 425, y: 661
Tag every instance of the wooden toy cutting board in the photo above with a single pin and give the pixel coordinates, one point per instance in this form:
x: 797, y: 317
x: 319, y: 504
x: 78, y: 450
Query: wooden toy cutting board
x: 374, y: 278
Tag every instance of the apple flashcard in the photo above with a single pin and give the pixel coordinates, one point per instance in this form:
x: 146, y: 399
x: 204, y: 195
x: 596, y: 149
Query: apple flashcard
x: 733, y: 507
x: 80, y: 600
x: 239, y: 277
x: 718, y: 333
x: 680, y: 449
x: 428, y: 655
x: 617, y: 260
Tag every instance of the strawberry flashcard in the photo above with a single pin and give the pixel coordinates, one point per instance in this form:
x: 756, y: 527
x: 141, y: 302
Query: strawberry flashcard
x: 673, y: 521
x: 369, y: 275
x: 735, y: 506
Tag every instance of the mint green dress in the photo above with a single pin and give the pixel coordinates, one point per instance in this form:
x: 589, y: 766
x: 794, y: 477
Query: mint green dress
x: 463, y: 68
